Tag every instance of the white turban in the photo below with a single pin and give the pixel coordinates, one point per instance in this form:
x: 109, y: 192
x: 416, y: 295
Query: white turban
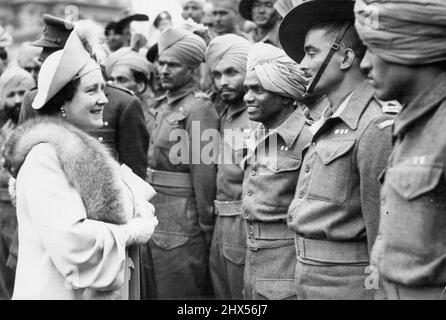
x: 277, y: 72
x: 408, y: 32
x: 229, y: 47
x: 13, y: 78
x: 184, y: 45
x: 130, y: 59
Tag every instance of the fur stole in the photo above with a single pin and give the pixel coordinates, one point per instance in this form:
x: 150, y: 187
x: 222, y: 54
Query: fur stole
x: 87, y: 164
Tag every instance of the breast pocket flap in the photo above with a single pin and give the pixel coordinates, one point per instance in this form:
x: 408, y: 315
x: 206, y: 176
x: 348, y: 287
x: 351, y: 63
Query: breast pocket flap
x: 330, y: 151
x: 413, y: 181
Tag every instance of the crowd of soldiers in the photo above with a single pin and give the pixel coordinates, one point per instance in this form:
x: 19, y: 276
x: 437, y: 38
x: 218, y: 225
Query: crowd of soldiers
x: 322, y: 120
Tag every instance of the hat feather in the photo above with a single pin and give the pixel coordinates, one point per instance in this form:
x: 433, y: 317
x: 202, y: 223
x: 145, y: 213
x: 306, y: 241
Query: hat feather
x: 92, y: 36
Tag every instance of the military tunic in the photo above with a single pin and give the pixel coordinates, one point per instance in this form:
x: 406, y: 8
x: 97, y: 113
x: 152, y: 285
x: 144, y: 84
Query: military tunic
x: 186, y: 191
x: 271, y: 171
x: 228, y: 250
x: 411, y: 245
x: 335, y: 211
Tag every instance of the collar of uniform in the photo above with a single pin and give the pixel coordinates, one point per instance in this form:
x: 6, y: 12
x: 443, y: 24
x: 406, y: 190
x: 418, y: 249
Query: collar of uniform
x: 317, y: 110
x: 231, y: 111
x: 180, y: 93
x: 290, y: 129
x: 359, y: 101
x: 272, y: 37
x: 426, y: 102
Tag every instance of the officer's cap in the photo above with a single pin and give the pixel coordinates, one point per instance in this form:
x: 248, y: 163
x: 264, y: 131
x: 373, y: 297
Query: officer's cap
x: 56, y: 32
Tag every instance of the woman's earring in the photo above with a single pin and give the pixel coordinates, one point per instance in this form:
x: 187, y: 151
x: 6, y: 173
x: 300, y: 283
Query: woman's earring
x: 62, y: 110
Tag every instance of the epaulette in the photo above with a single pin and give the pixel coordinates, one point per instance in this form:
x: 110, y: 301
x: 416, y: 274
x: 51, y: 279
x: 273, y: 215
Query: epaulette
x: 385, y: 124
x: 391, y: 107
x: 201, y: 94
x: 130, y: 92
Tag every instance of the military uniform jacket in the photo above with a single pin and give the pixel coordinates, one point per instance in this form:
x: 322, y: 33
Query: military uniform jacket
x: 272, y: 37
x: 189, y: 113
x: 235, y: 129
x: 337, y: 196
x: 272, y: 168
x: 124, y: 130
x: 411, y: 245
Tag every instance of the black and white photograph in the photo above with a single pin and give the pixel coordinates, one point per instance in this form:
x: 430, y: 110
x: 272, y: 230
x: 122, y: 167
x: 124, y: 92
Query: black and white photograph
x: 223, y: 154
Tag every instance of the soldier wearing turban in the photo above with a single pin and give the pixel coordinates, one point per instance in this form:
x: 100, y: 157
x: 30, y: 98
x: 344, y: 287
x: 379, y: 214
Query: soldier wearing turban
x: 14, y: 82
x: 185, y: 182
x: 405, y: 61
x: 271, y: 169
x: 226, y: 58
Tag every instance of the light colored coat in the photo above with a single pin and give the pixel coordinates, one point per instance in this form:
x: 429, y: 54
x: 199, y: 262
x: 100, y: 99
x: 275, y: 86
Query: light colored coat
x: 65, y: 252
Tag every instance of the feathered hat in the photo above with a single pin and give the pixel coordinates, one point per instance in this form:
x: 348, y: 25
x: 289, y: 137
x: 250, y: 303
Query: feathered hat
x: 82, y: 54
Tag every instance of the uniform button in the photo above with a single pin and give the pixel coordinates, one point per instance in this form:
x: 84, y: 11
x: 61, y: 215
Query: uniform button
x: 239, y: 260
x: 253, y: 173
x: 314, y: 144
x: 307, y: 169
x: 106, y: 124
x: 301, y: 194
x: 249, y: 193
x: 100, y: 139
x: 290, y: 219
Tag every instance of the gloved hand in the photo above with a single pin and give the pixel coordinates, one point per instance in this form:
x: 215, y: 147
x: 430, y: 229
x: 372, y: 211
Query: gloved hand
x: 140, y: 229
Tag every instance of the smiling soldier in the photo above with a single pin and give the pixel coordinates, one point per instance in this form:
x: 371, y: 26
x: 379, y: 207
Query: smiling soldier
x: 272, y: 167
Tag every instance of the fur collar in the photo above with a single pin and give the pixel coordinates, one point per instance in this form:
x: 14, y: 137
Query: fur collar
x: 87, y: 163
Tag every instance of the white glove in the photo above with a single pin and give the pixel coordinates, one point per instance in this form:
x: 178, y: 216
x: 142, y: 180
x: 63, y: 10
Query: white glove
x: 141, y: 228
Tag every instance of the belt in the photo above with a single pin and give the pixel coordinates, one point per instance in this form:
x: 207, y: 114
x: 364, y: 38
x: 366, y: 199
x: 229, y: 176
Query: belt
x: 228, y: 208
x: 395, y: 291
x: 269, y: 231
x: 4, y: 194
x: 169, y: 179
x: 330, y: 251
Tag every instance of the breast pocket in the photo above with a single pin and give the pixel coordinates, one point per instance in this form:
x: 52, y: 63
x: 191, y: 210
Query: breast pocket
x: 331, y: 176
x: 171, y: 130
x: 412, y: 182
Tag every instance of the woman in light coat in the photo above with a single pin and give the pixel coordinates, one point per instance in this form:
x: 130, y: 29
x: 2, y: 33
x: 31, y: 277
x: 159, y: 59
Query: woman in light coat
x: 77, y: 209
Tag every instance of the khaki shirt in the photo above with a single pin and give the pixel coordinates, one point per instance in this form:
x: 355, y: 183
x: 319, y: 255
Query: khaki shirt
x: 411, y: 245
x: 272, y: 168
x: 337, y: 196
x: 272, y: 37
x: 235, y: 121
x: 188, y: 110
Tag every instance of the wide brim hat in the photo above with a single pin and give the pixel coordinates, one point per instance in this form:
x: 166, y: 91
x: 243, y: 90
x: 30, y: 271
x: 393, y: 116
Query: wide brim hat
x: 245, y: 9
x: 296, y: 24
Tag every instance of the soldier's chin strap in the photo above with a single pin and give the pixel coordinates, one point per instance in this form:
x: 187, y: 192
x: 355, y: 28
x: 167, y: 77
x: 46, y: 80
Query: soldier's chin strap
x: 334, y: 47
